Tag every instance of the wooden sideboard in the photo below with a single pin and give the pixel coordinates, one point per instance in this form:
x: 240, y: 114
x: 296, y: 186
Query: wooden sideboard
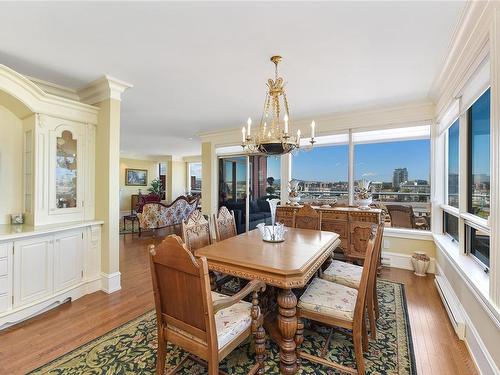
x: 351, y: 223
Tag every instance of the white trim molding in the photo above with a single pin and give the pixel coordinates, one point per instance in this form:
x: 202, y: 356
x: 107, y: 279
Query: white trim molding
x: 110, y: 283
x: 103, y: 88
x: 469, y: 334
x: 412, y: 234
x: 403, y: 261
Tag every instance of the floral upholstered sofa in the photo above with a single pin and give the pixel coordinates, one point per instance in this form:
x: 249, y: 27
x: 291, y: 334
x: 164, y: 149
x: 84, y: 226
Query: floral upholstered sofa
x: 156, y: 215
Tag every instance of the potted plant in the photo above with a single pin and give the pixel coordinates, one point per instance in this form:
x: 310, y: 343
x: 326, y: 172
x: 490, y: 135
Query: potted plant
x: 363, y: 196
x: 156, y: 187
x: 293, y: 192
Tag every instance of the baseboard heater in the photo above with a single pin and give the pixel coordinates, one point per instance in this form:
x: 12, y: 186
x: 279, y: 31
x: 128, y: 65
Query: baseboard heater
x: 452, y: 305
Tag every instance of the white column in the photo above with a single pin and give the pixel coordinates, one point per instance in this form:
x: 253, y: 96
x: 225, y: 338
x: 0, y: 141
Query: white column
x: 351, y: 170
x: 286, y: 175
x: 106, y: 94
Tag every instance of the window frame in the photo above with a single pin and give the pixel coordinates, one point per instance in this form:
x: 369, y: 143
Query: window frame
x: 468, y: 209
x: 330, y: 143
x: 190, y: 188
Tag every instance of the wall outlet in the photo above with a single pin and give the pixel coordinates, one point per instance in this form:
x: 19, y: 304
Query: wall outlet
x: 387, y: 244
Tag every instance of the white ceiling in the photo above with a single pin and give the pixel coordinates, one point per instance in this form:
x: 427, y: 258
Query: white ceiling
x: 203, y: 66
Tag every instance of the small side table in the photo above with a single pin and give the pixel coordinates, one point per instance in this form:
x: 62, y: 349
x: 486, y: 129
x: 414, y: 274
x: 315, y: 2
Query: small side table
x: 133, y: 218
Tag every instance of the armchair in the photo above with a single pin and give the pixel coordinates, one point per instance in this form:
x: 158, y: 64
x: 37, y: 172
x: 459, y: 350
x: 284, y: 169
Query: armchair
x: 206, y: 324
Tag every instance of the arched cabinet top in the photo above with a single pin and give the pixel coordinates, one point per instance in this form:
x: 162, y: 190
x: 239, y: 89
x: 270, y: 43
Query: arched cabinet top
x: 23, y: 97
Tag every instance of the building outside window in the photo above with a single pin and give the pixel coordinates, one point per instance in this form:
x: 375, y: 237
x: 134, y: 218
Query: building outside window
x: 195, y: 179
x: 453, y: 164
x: 399, y: 172
x: 479, y: 157
x: 322, y: 173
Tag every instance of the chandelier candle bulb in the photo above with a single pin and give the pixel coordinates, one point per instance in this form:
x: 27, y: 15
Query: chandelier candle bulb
x: 249, y: 123
x: 243, y: 134
x: 286, y: 124
x: 313, y: 125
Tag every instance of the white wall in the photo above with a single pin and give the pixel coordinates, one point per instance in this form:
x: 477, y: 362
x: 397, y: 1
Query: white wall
x: 11, y: 165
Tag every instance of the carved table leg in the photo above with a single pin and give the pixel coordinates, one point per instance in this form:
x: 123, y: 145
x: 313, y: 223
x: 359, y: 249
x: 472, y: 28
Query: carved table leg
x: 287, y: 324
x: 299, y: 338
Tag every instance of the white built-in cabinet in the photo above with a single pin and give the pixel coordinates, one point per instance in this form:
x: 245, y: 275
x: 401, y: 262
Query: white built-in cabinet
x: 59, y: 170
x: 38, y: 271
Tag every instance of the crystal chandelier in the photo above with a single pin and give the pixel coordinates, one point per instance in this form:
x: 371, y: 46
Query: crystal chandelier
x: 275, y: 135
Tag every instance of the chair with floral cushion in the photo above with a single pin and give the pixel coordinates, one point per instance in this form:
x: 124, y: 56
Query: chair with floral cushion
x: 349, y: 274
x: 337, y: 305
x: 205, y: 324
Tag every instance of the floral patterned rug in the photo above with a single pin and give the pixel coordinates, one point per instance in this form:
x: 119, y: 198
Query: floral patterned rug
x: 130, y: 349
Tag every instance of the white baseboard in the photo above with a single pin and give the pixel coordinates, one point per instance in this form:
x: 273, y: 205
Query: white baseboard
x: 19, y: 314
x: 478, y: 351
x: 110, y: 283
x: 398, y: 260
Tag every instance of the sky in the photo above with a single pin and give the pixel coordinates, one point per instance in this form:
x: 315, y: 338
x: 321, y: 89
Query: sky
x: 374, y: 161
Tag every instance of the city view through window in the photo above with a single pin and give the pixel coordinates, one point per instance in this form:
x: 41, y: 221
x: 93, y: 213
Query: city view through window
x: 399, y: 173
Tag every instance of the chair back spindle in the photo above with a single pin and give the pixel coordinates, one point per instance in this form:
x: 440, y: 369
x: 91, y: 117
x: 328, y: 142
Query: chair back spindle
x: 368, y: 270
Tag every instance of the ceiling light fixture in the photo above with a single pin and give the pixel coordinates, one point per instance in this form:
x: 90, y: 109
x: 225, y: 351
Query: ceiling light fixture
x: 275, y: 135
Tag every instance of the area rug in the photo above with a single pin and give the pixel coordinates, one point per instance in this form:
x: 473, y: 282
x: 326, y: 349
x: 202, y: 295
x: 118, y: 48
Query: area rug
x: 131, y: 348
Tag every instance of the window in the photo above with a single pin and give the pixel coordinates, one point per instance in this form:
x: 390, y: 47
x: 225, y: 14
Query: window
x: 322, y: 173
x: 453, y: 164
x: 478, y: 245
x: 478, y: 195
x: 399, y: 172
x: 195, y: 179
x: 450, y: 225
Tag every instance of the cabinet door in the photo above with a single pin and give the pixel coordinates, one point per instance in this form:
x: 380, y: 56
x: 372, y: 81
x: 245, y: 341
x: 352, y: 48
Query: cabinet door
x: 68, y: 259
x: 33, y: 269
x: 5, y: 276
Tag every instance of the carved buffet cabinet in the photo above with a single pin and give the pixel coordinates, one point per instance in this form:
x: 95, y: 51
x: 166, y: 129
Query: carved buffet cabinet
x: 351, y: 223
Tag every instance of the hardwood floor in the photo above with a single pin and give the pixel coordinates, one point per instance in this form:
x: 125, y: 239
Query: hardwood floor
x: 37, y: 341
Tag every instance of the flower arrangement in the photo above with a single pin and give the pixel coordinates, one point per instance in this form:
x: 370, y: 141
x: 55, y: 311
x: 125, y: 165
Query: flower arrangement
x: 363, y: 190
x: 293, y: 192
x: 293, y: 188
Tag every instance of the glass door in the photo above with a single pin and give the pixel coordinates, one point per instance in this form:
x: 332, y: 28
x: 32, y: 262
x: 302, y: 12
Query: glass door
x: 264, y: 183
x: 233, y: 187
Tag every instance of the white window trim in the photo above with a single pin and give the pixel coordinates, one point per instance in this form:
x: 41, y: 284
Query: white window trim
x: 412, y: 234
x: 473, y: 274
x: 451, y: 210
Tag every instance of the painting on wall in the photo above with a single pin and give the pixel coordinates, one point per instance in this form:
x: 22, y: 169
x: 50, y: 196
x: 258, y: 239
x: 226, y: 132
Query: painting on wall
x: 136, y: 177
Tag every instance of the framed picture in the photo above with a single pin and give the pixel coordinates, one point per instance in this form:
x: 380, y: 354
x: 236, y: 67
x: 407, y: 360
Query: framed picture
x: 136, y: 177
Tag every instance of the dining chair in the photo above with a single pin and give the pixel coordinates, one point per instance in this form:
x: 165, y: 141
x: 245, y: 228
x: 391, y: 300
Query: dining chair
x: 196, y: 234
x: 196, y: 231
x: 404, y: 217
x: 337, y: 305
x: 349, y: 274
x: 205, y: 324
x: 307, y: 218
x: 225, y: 224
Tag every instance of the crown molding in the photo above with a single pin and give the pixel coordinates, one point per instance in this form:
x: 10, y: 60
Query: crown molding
x: 103, y: 88
x: 469, y: 39
x: 55, y: 89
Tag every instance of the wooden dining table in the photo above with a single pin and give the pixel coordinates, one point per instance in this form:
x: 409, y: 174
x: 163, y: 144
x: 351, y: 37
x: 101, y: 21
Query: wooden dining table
x: 285, y: 265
